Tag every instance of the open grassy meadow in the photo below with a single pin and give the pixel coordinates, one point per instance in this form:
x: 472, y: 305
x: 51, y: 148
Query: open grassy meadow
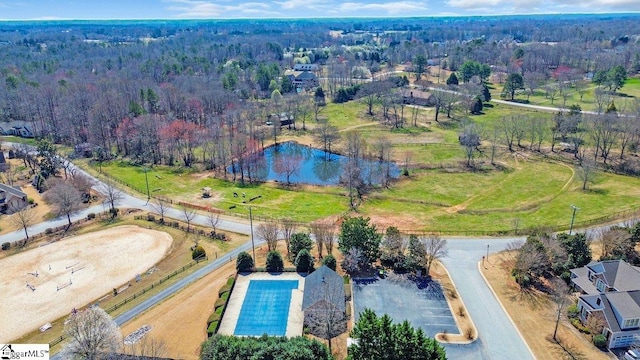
x: 441, y: 194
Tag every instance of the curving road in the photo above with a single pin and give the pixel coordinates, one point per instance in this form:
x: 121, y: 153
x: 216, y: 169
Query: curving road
x: 498, y: 337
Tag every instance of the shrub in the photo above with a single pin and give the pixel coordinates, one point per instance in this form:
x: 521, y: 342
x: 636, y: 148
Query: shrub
x: 244, y: 262
x: 223, y: 290
x: 91, y: 216
x: 600, y: 340
x: 304, y: 261
x: 6, y: 246
x: 298, y: 242
x: 211, y: 330
x: 31, y: 201
x: 114, y: 212
x: 198, y: 253
x: 572, y: 311
x: 274, y: 262
x: 220, y: 302
x: 150, y: 217
x: 578, y: 325
x: 48, y: 231
x: 330, y: 262
x: 213, y: 317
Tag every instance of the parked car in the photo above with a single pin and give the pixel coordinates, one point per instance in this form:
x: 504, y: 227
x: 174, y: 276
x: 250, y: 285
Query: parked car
x: 632, y: 354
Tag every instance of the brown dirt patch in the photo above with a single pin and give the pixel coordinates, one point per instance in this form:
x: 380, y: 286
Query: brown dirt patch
x: 180, y: 322
x: 533, y: 315
x: 92, y: 264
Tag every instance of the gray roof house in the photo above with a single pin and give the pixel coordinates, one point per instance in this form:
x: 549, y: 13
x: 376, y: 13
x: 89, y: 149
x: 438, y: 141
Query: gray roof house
x: 11, y: 199
x: 611, y: 292
x: 306, y: 80
x: 324, y: 302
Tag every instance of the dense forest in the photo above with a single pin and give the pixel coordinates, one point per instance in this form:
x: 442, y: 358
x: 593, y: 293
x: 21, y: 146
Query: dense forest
x: 155, y: 91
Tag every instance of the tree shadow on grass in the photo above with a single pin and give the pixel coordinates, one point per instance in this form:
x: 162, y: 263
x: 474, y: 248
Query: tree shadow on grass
x: 532, y: 297
x: 565, y: 350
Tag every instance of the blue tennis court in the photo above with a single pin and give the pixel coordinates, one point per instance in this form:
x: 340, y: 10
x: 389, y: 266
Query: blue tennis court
x: 265, y: 309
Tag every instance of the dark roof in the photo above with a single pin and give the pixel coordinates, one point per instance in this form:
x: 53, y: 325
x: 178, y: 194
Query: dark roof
x: 12, y: 190
x: 323, y: 284
x: 618, y: 274
x: 306, y: 75
x: 626, y: 303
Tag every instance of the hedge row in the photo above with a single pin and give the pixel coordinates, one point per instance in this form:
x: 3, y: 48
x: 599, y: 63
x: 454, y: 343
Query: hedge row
x: 213, y: 322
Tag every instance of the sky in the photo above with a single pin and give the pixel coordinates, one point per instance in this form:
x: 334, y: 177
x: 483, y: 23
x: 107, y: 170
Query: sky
x: 233, y: 9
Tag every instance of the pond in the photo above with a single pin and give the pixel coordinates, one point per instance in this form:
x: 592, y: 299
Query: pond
x: 307, y: 165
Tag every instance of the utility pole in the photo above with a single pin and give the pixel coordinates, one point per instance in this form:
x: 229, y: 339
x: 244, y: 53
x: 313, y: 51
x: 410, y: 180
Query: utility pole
x: 146, y: 179
x: 253, y: 246
x: 575, y: 208
x: 487, y: 252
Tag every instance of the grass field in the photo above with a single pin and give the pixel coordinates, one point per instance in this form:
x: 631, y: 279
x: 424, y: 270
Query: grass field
x: 441, y: 193
x: 623, y: 98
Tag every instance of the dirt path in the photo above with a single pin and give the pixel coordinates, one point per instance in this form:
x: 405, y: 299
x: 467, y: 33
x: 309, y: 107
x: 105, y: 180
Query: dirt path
x: 180, y: 321
x: 358, y: 126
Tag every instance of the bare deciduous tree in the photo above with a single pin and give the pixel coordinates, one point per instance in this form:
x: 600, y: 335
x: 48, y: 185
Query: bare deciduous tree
x: 559, y: 295
x: 324, y: 318
x: 435, y: 248
x: 23, y: 218
x: 287, y: 227
x: 269, y: 232
x: 112, y: 196
x: 64, y: 197
x: 188, y: 214
x: 161, y: 207
x: 147, y: 348
x: 323, y: 234
x: 214, y: 220
x: 93, y: 335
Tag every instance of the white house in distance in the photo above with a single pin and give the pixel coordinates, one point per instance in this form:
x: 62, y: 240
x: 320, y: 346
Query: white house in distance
x: 611, y: 291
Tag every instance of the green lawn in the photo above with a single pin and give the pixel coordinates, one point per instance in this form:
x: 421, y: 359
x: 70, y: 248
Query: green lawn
x: 623, y: 98
x: 497, y: 201
x: 439, y: 195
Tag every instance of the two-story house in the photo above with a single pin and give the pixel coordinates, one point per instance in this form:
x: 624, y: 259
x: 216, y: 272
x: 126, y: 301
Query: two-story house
x: 611, y: 292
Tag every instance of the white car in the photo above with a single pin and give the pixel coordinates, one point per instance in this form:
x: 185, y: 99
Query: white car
x: 632, y: 354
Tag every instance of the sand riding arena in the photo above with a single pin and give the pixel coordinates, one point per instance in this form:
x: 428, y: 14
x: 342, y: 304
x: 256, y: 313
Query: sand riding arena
x: 46, y: 283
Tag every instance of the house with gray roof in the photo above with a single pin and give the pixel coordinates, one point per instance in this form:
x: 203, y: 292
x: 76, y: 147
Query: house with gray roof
x: 305, y: 80
x: 324, y: 303
x: 11, y: 199
x: 611, y: 293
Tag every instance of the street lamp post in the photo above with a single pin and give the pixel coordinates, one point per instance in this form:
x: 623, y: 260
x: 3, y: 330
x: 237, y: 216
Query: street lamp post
x: 575, y: 208
x: 487, y: 252
x: 253, y: 246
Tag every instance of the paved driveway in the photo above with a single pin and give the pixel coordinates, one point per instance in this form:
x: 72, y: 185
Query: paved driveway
x: 498, y: 337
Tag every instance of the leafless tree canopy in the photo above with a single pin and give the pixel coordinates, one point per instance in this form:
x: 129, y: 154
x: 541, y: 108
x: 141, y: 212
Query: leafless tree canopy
x: 324, y: 235
x: 23, y: 218
x: 147, y: 347
x: 64, y: 197
x: 112, y: 195
x: 269, y: 232
x: 287, y: 227
x: 161, y: 207
x: 435, y: 248
x: 92, y: 335
x: 214, y: 220
x: 188, y: 214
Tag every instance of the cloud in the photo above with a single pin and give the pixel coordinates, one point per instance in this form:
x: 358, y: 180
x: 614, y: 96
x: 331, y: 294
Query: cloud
x: 206, y: 9
x: 385, y: 8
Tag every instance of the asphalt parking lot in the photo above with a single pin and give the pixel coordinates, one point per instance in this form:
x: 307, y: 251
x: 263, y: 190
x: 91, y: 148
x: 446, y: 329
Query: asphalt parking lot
x: 420, y: 301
